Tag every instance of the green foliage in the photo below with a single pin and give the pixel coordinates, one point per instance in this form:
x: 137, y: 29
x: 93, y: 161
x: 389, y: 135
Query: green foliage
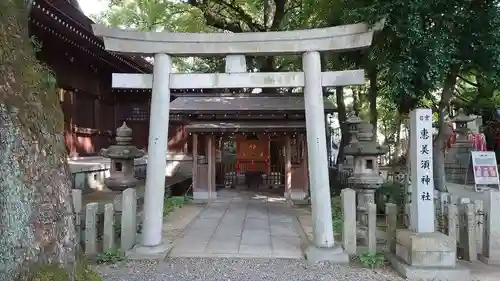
x: 337, y: 214
x: 372, y: 260
x: 389, y: 192
x: 108, y: 257
x: 118, y: 228
x: 412, y: 56
x: 172, y: 203
x: 57, y: 273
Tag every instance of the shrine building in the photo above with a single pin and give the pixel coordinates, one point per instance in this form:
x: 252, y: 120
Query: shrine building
x: 256, y: 141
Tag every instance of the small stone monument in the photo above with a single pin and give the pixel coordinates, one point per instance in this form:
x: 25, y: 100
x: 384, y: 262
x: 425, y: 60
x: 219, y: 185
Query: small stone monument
x: 365, y: 178
x: 421, y: 252
x: 122, y: 156
x: 457, y: 160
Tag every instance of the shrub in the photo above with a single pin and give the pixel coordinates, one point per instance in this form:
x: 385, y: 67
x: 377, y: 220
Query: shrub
x: 389, y: 192
x: 372, y: 260
x: 108, y: 257
x: 337, y: 215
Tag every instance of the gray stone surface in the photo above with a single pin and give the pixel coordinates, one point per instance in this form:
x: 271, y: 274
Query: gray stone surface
x: 349, y: 226
x: 479, y: 206
x: 239, y: 226
x: 430, y: 273
x: 469, y: 234
x: 391, y: 211
x: 491, y: 244
x: 108, y: 239
x: 77, y: 210
x: 427, y: 256
x: 335, y: 255
x: 91, y: 228
x: 372, y: 228
x: 346, y: 37
x: 129, y: 219
x: 219, y: 269
x: 139, y: 252
x: 425, y: 249
x: 452, y: 217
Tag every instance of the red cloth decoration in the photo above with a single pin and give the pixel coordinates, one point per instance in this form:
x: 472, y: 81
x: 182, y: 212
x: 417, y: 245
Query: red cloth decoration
x: 478, y: 141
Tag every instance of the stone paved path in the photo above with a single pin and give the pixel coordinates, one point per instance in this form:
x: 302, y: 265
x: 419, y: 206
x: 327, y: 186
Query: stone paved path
x: 242, y: 224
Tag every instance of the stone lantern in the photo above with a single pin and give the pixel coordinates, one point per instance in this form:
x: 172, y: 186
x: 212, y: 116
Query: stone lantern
x: 352, y: 125
x: 365, y: 178
x: 457, y: 159
x: 122, y: 156
x: 462, y: 130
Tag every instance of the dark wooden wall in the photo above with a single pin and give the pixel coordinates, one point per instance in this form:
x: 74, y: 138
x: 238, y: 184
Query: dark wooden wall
x: 92, y: 110
x: 133, y: 108
x: 84, y: 89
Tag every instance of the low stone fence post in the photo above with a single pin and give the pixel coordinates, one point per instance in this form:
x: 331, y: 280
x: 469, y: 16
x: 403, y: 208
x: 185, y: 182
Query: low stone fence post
x: 479, y: 208
x: 469, y: 234
x: 452, y: 221
x: 91, y: 228
x: 349, y: 225
x: 108, y: 238
x: 77, y: 209
x: 491, y: 244
x: 129, y: 219
x: 98, y: 232
x: 391, y: 212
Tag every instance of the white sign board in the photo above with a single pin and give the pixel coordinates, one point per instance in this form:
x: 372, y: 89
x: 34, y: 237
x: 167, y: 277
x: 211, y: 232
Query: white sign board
x: 422, y: 178
x: 484, y: 165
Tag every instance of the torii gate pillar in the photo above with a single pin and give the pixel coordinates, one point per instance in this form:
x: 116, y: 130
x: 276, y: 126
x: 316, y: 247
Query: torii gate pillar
x: 234, y: 46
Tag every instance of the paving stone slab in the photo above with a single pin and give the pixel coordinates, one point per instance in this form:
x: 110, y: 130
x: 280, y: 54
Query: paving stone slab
x: 228, y: 245
x: 241, y: 228
x: 256, y: 223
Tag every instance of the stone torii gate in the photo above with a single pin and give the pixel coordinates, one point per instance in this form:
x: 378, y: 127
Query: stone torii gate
x: 309, y: 43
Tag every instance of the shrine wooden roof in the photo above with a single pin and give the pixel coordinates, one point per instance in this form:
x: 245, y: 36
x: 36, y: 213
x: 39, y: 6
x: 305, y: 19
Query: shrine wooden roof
x: 65, y: 19
x: 194, y: 105
x: 208, y: 126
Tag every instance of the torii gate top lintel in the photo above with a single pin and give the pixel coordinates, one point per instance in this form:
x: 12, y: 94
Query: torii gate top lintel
x: 337, y: 38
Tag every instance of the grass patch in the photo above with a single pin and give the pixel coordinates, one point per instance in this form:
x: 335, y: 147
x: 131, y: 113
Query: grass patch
x: 108, y: 257
x: 83, y: 272
x: 372, y: 260
x: 173, y: 202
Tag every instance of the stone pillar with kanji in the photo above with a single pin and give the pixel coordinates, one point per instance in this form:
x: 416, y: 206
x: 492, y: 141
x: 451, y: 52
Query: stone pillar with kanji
x: 421, y: 252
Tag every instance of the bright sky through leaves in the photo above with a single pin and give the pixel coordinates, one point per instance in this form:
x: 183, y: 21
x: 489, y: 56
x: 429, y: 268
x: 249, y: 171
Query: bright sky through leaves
x: 93, y: 7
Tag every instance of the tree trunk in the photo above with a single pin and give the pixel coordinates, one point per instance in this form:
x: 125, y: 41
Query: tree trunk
x: 342, y: 115
x: 372, y: 99
x: 356, y: 103
x: 397, y: 145
x: 35, y: 200
x: 438, y: 153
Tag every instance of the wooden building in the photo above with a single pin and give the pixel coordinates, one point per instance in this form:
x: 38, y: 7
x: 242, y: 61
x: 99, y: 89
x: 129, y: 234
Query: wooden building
x: 83, y: 70
x: 246, y: 140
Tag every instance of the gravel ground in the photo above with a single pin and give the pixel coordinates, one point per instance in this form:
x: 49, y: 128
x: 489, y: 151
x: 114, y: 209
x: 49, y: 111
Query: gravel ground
x: 211, y: 269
